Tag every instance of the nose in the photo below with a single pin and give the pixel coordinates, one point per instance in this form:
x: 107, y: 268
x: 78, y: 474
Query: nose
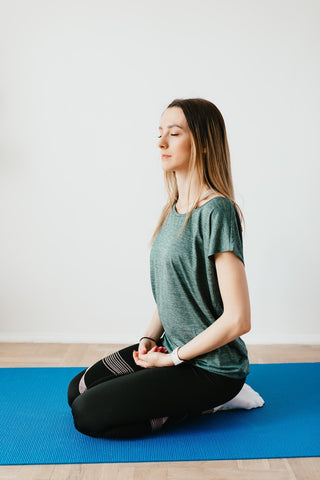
x: 162, y: 143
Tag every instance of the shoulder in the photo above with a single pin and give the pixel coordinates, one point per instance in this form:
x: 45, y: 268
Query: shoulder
x: 220, y: 205
x: 222, y: 211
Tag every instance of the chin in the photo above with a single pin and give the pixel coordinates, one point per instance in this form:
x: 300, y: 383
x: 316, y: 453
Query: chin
x: 171, y: 168
x: 167, y: 168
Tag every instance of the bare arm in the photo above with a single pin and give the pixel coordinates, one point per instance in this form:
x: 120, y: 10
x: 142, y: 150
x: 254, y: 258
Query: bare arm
x: 152, y: 333
x: 155, y: 328
x: 236, y: 318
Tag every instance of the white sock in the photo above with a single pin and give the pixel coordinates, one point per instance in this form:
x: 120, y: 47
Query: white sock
x: 247, y: 398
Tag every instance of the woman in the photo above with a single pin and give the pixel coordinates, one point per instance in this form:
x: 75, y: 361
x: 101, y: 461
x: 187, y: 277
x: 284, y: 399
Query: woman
x: 191, y: 357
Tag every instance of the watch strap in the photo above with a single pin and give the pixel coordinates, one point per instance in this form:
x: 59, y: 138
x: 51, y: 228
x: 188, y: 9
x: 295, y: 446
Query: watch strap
x: 175, y: 358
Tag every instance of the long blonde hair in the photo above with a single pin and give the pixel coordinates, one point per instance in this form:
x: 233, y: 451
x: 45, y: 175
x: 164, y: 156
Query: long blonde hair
x: 209, y: 159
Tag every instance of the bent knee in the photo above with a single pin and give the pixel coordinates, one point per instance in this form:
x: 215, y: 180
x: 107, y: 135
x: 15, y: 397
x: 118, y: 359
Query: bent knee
x: 87, y: 419
x: 81, y: 416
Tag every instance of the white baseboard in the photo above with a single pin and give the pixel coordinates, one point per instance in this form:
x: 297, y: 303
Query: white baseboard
x: 131, y: 338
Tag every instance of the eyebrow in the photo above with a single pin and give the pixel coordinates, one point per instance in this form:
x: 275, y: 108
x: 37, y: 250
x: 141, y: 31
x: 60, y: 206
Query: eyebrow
x: 173, y: 125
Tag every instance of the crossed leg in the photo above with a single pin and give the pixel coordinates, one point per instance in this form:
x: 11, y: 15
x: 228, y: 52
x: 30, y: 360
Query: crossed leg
x: 116, y: 398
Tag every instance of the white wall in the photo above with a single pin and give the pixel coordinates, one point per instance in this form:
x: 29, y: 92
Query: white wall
x: 82, y: 88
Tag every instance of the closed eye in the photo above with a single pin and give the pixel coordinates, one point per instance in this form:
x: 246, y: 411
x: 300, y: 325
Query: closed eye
x: 172, y: 134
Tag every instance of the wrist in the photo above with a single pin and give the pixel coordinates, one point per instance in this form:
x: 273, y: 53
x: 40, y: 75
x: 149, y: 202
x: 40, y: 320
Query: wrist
x: 148, y: 338
x: 175, y: 357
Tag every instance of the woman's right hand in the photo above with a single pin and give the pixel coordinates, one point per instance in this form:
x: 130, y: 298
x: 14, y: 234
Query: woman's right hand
x: 146, y: 345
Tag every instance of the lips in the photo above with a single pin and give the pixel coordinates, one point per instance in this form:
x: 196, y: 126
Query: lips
x: 165, y: 156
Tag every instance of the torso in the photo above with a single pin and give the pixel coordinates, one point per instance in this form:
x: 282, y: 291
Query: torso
x: 182, y: 267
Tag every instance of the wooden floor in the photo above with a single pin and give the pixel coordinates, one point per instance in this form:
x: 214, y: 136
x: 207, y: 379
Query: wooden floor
x: 69, y: 355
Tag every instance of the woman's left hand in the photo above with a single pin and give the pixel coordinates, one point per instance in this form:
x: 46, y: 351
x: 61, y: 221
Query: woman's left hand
x: 153, y: 358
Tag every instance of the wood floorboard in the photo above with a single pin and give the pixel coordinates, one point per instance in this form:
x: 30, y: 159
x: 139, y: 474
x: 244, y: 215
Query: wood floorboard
x: 70, y: 355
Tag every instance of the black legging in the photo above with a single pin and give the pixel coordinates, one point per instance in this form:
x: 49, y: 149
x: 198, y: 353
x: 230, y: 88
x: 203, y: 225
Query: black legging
x: 116, y: 398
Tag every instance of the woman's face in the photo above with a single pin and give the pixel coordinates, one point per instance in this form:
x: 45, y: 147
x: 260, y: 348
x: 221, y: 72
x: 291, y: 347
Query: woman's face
x: 174, y: 140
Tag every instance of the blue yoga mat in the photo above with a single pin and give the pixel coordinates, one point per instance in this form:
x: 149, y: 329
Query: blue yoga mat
x: 36, y: 425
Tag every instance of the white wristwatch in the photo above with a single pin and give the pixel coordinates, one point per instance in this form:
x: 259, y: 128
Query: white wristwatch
x: 175, y: 358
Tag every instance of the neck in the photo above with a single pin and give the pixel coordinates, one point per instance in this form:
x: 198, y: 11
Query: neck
x: 195, y: 187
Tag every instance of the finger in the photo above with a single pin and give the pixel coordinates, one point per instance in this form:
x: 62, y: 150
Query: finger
x: 139, y: 361
x: 135, y: 356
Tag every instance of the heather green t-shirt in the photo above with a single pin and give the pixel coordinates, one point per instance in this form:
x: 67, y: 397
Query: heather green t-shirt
x: 185, y: 285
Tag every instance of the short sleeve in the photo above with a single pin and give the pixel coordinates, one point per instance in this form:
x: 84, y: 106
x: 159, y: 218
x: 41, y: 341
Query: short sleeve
x: 224, y: 229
